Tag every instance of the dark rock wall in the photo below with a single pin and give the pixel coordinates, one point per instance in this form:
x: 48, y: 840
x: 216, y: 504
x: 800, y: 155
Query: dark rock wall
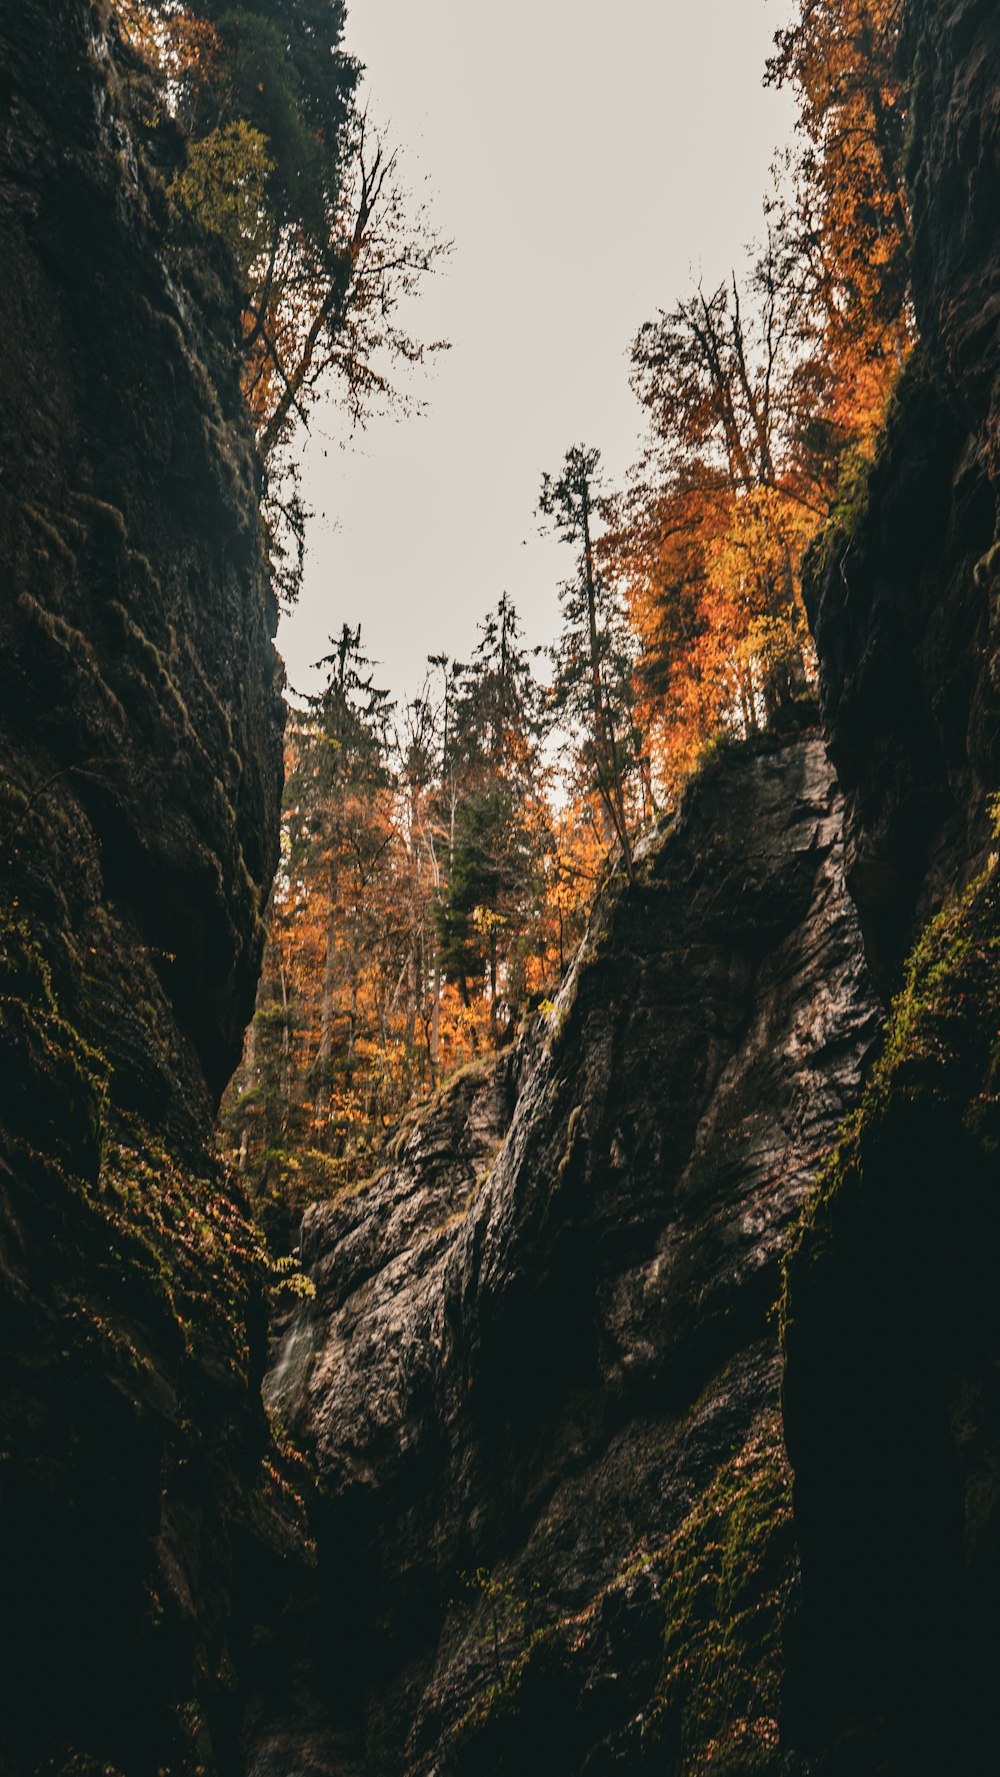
x: 893, y: 1347
x: 540, y: 1378
x: 140, y: 767
x: 905, y: 596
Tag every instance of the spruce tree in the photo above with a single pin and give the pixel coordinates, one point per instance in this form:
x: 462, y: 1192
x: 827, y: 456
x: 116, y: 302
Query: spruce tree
x: 493, y: 755
x: 593, y: 658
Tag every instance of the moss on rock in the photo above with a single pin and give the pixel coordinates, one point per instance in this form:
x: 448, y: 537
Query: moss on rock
x: 892, y: 1340
x: 725, y: 1579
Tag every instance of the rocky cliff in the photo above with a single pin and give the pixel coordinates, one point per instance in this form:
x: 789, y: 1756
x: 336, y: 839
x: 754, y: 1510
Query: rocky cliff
x: 540, y: 1381
x: 540, y: 1378
x: 893, y: 1340
x: 140, y: 731
x: 904, y: 593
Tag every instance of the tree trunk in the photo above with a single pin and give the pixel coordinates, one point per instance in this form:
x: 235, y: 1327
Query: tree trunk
x: 436, y: 1023
x: 609, y: 773
x: 249, y: 1062
x: 326, y: 1012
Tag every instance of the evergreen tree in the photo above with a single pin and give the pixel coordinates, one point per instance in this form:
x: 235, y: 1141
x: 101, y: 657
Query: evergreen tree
x: 308, y: 1091
x: 343, y: 765
x: 593, y: 658
x: 498, y: 829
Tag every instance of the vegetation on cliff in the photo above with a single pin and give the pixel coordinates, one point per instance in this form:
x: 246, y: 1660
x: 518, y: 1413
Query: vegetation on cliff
x: 722, y: 1584
x: 592, y: 1292
x: 890, y: 1335
x: 279, y: 161
x: 140, y: 737
x: 435, y: 893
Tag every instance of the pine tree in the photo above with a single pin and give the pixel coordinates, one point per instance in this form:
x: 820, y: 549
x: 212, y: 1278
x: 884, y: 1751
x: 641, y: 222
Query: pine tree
x: 594, y: 657
x: 343, y: 767
x: 498, y: 828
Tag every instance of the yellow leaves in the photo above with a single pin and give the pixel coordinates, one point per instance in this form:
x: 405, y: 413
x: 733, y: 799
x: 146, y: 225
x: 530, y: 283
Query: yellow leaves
x: 488, y: 919
x: 138, y: 25
x: 225, y: 184
x: 713, y: 585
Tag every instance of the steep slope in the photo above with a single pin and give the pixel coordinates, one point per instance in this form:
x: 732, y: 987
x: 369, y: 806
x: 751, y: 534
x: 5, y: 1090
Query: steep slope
x: 539, y: 1377
x: 904, y: 594
x: 140, y: 740
x: 893, y: 1340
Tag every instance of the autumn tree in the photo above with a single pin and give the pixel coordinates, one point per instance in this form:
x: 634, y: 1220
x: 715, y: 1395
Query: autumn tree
x: 845, y: 202
x: 711, y: 535
x: 405, y: 927
x: 326, y: 1063
x: 763, y: 394
x: 340, y: 821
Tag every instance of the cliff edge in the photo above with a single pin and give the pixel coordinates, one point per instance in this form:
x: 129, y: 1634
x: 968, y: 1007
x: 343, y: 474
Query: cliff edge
x: 140, y: 739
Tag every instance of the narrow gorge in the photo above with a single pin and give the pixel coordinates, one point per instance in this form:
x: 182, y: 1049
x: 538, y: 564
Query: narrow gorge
x: 640, y: 1412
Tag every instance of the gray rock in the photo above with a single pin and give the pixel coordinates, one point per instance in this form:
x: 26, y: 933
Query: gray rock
x: 544, y: 1327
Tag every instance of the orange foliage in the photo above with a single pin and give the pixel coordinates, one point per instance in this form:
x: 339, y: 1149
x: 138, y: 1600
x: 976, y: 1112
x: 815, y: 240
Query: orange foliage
x: 762, y: 397
x: 179, y: 45
x: 849, y: 200
x: 380, y: 979
x: 357, y: 1014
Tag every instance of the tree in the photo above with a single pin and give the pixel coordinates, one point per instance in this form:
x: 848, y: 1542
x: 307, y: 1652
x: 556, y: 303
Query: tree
x: 763, y: 396
x: 343, y: 760
x: 593, y: 658
x: 847, y: 208
x: 406, y: 836
x: 711, y: 539
x: 318, y: 219
x: 282, y: 164
x: 498, y: 823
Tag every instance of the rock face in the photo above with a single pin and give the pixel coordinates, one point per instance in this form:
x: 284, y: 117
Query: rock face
x: 893, y: 1347
x: 540, y: 1378
x: 140, y: 738
x: 905, y: 600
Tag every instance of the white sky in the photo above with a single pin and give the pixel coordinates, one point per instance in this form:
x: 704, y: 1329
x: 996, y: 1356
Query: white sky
x: 590, y: 161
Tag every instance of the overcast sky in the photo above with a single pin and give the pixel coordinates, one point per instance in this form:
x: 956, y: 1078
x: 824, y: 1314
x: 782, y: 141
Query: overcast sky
x: 589, y: 161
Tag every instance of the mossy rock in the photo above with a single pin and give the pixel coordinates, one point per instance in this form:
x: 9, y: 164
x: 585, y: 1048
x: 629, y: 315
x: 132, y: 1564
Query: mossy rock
x: 892, y: 1336
x: 725, y: 1578
x: 712, y: 1599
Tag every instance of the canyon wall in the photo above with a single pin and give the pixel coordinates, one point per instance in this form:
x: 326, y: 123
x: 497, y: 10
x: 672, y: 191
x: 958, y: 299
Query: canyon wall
x: 573, y: 1510
x: 903, y: 590
x: 140, y: 772
x: 893, y: 1336
x: 540, y: 1376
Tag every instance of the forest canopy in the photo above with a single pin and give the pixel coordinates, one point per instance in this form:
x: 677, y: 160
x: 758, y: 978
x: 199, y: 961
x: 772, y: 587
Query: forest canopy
x: 441, y: 854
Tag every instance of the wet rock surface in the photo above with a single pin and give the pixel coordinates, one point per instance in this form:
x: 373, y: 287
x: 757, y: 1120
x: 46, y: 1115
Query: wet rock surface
x: 140, y: 768
x: 535, y: 1350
